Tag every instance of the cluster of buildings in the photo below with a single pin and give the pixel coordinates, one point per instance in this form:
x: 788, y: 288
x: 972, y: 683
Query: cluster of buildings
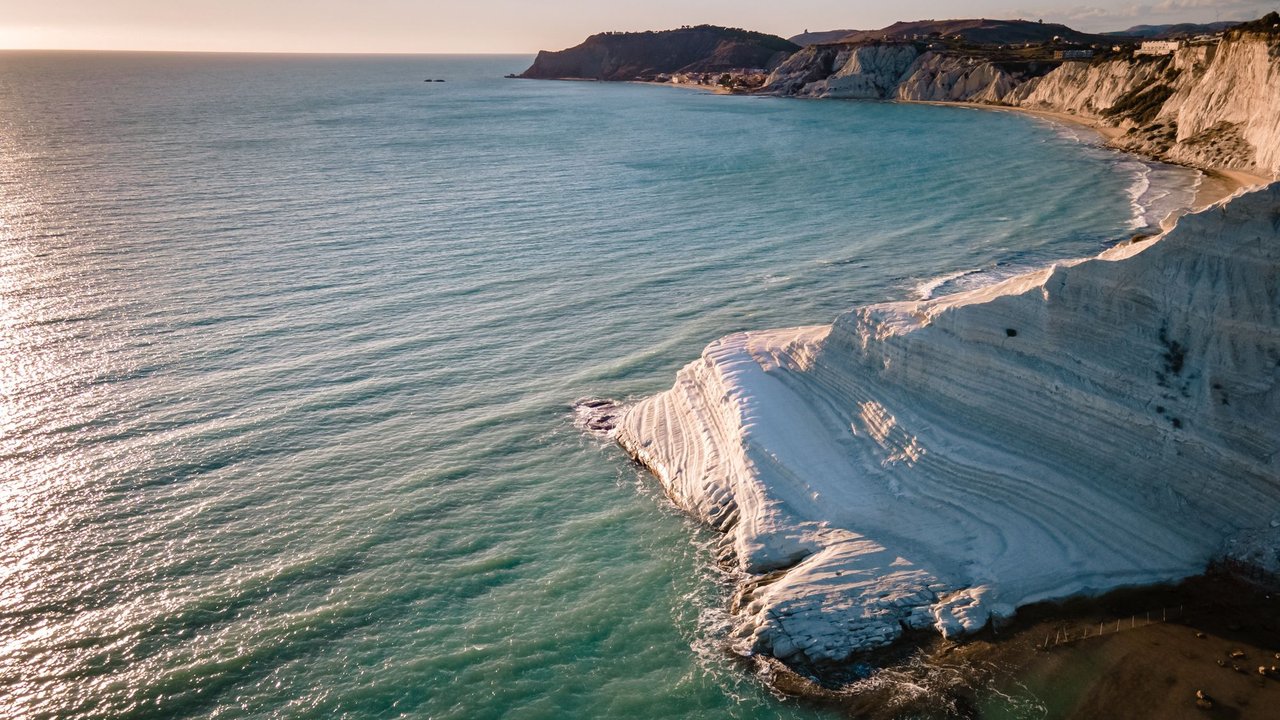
x: 1158, y: 47
x: 738, y: 77
x: 1206, y: 43
x: 1169, y: 47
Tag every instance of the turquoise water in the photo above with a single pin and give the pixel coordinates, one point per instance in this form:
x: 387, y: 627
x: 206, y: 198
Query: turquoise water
x: 290, y: 347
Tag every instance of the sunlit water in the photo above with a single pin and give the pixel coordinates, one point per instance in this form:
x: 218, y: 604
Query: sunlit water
x: 290, y: 344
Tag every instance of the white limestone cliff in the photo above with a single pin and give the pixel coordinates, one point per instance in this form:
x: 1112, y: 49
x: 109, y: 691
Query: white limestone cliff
x: 1227, y: 112
x: 1096, y: 424
x: 866, y: 72
x: 1087, y: 89
x: 1208, y: 106
x: 948, y: 78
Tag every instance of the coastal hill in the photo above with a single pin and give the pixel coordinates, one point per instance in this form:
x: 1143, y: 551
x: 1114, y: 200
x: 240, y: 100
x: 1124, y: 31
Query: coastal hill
x: 643, y: 55
x: 1211, y: 105
x: 979, y: 31
x: 820, y: 37
x: 1179, y: 30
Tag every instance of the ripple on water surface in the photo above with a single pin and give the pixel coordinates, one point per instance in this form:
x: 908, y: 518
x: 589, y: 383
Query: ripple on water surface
x: 290, y: 345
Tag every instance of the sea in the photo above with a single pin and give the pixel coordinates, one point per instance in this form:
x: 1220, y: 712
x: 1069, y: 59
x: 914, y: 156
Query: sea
x: 290, y: 345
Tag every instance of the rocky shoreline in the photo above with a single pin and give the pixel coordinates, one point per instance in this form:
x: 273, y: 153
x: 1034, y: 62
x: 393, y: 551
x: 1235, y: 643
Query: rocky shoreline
x: 1211, y: 105
x: 1207, y: 106
x: 868, y: 487
x: 924, y: 471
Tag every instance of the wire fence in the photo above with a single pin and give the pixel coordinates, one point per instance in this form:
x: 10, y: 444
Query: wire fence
x: 1066, y: 635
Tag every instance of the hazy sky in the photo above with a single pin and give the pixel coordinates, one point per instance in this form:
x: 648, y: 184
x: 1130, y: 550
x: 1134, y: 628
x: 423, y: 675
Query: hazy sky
x: 449, y: 26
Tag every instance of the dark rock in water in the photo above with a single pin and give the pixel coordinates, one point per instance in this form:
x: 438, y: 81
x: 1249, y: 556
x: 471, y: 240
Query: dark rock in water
x: 629, y: 56
x: 597, y: 416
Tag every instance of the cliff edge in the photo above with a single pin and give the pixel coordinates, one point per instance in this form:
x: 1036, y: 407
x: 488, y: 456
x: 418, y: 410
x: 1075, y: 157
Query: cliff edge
x: 1214, y: 105
x: 936, y: 464
x: 645, y: 55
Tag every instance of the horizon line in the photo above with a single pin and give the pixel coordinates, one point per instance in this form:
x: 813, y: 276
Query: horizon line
x: 254, y: 52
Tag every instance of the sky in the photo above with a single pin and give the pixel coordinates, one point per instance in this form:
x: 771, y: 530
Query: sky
x: 516, y: 26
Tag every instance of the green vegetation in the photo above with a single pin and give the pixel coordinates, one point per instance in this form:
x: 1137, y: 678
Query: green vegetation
x: 1268, y: 24
x: 1141, y: 105
x: 771, y: 42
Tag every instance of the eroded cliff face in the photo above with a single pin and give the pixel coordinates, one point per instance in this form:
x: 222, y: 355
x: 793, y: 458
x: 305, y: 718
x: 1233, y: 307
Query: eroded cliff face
x: 1096, y: 424
x: 942, y: 78
x: 1224, y: 112
x: 1207, y: 106
x: 1087, y: 90
x: 893, y: 71
x: 863, y: 72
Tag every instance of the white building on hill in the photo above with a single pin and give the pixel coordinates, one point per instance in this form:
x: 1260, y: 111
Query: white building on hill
x: 1158, y: 47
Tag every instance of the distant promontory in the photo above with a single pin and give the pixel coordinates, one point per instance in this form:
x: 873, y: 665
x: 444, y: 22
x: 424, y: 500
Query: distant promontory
x: 645, y: 55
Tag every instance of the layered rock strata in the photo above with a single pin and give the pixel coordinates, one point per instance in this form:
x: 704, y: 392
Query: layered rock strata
x: 1207, y: 106
x: 1095, y: 424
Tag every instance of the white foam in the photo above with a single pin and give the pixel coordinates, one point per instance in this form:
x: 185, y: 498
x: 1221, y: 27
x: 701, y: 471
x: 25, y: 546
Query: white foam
x: 1156, y: 190
x: 925, y: 289
x: 1137, y: 192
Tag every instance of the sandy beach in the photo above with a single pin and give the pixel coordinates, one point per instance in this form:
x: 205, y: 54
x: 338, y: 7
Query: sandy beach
x: 1219, y: 183
x: 1107, y: 133
x: 1142, y: 652
x: 1216, y: 184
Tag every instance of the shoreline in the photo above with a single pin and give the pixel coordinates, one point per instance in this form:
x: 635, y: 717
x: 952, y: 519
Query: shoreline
x: 713, y: 89
x: 1106, y: 132
x: 1216, y: 183
x: 1220, y: 183
x: 958, y: 674
x: 1092, y: 668
x: 1132, y: 652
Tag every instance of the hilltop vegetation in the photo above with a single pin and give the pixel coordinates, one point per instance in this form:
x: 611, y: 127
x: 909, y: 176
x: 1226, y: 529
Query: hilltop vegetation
x: 643, y: 55
x: 1165, y: 32
x: 980, y: 31
x: 1268, y: 24
x: 821, y: 37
